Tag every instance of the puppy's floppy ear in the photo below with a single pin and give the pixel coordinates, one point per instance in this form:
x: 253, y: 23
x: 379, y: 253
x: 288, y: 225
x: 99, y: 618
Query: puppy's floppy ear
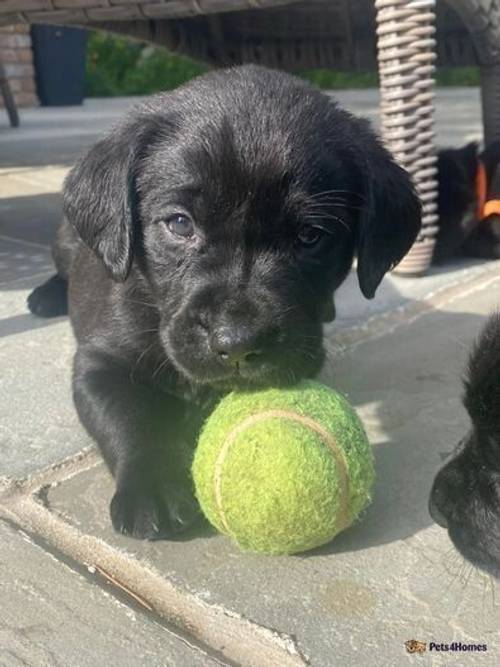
x: 390, y: 218
x: 99, y: 197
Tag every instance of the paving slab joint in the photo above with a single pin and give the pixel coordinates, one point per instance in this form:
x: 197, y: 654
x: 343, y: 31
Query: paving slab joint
x: 387, y: 322
x: 217, y: 630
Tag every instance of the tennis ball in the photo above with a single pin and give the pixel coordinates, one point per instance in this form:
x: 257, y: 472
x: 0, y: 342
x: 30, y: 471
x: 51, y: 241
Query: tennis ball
x: 283, y: 470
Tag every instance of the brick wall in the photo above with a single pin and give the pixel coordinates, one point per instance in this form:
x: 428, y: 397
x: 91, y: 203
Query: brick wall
x: 17, y: 58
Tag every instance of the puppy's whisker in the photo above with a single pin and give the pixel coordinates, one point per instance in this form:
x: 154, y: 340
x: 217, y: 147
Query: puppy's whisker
x: 334, y: 345
x: 291, y: 375
x: 301, y: 336
x: 484, y: 592
x: 450, y: 589
x: 306, y: 353
x: 492, y: 586
x: 455, y: 559
x: 289, y: 309
x: 337, y: 191
x: 330, y: 217
x: 461, y: 579
x: 140, y: 303
x: 139, y: 359
x: 424, y: 553
x: 486, y: 580
x: 450, y: 559
x: 327, y: 203
x: 160, y: 367
x: 332, y: 357
x: 472, y: 571
x: 328, y: 345
x: 328, y: 366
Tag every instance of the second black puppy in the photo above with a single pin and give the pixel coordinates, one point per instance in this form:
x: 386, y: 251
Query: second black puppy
x: 468, y: 202
x: 465, y: 496
x: 205, y: 237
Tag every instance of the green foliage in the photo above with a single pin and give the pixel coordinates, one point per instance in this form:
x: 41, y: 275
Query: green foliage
x: 445, y: 76
x: 331, y: 80
x: 457, y: 76
x: 119, y: 66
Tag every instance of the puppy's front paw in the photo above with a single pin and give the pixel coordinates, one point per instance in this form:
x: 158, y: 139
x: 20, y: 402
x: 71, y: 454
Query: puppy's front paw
x: 49, y: 299
x: 153, y: 514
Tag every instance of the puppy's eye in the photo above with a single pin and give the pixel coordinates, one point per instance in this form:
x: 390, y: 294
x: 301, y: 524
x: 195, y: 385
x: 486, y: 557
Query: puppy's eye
x: 309, y: 235
x: 180, y: 225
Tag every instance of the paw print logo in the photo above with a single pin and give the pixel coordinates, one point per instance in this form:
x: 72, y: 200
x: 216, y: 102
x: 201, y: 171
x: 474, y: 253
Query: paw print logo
x: 414, y: 646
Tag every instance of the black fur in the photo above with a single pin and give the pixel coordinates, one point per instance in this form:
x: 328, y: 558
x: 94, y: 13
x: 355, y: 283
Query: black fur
x: 205, y: 237
x: 465, y: 497
x: 461, y: 232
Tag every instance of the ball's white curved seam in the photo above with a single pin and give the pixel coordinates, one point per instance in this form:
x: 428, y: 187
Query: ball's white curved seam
x: 326, y: 437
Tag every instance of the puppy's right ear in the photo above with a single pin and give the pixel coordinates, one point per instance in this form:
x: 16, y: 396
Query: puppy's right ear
x: 99, y: 196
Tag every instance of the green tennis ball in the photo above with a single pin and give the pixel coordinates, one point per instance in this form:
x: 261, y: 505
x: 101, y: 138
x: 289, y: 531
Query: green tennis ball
x: 283, y: 470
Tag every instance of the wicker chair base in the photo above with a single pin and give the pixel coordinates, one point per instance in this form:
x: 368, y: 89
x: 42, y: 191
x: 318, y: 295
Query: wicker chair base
x: 417, y: 261
x: 406, y: 55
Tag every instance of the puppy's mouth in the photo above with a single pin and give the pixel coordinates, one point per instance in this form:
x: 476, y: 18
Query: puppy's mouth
x: 284, y: 372
x: 241, y: 378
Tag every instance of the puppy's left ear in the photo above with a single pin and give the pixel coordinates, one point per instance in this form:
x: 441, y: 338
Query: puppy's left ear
x: 390, y: 218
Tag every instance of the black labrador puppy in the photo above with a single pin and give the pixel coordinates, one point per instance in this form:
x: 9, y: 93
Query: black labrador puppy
x: 204, y: 238
x: 465, y: 497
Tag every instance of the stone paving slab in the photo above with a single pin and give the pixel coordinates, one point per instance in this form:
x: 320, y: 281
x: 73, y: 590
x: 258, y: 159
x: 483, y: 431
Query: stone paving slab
x: 38, y: 423
x: 21, y: 260
x: 30, y: 218
x: 52, y: 616
x: 391, y: 577
x: 30, y: 203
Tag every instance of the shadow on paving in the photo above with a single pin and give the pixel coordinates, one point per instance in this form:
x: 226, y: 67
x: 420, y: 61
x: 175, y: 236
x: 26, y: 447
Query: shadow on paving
x: 408, y: 392
x: 32, y: 218
x: 27, y: 228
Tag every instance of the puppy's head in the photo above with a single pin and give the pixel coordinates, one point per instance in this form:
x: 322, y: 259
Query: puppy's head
x: 242, y: 198
x: 465, y: 497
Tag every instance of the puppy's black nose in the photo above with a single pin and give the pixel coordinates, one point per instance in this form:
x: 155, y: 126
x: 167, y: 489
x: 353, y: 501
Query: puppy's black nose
x: 237, y: 345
